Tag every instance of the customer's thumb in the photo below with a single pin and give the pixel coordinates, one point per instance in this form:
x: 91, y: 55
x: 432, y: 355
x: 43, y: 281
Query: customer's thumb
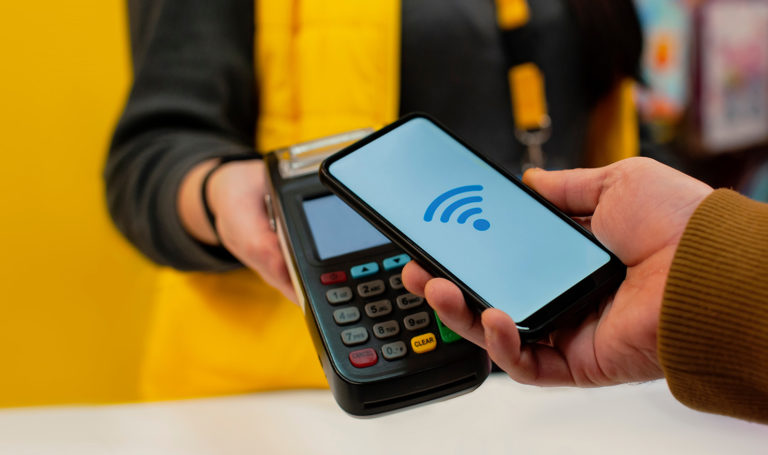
x: 575, y: 191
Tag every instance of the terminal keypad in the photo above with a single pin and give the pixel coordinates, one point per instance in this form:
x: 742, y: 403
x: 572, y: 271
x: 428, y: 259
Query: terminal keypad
x: 380, y: 321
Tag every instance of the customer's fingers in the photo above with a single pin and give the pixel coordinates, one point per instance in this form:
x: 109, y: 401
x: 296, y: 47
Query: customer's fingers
x: 495, y: 331
x: 528, y: 364
x: 415, y: 278
x: 449, y: 303
x: 584, y: 221
x: 575, y: 191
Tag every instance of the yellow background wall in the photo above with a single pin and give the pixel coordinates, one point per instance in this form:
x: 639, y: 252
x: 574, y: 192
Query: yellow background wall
x: 74, y: 297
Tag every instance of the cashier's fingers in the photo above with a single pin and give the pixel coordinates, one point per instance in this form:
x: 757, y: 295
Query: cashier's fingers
x: 246, y: 234
x: 536, y: 364
x: 259, y: 250
x: 446, y: 299
x: 236, y: 192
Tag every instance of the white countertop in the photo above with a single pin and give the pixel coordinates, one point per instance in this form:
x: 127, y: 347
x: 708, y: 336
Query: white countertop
x: 500, y: 417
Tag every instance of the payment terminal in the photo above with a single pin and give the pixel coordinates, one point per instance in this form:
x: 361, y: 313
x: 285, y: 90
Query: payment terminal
x: 381, y: 347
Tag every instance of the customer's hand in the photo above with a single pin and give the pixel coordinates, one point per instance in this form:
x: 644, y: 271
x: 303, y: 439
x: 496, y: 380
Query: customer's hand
x: 638, y: 208
x: 236, y: 197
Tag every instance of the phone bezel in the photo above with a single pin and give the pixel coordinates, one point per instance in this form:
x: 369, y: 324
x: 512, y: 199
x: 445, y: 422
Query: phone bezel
x: 587, y: 291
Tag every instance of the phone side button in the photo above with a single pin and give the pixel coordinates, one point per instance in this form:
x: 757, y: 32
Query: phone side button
x: 270, y: 212
x: 363, y: 358
x: 424, y: 343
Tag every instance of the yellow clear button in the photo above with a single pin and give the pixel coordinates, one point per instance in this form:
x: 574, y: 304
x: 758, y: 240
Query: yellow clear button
x: 423, y: 343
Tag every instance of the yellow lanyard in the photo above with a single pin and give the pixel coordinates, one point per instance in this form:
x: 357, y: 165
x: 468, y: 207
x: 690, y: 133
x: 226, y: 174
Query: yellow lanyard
x: 526, y: 84
x: 512, y: 14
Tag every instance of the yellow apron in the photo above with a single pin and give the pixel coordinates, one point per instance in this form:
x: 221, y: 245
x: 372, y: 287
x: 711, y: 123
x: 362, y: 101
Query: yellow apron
x: 322, y: 67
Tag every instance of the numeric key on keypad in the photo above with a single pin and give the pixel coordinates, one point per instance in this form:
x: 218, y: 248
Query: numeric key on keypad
x: 396, y: 282
x: 394, y: 350
x: 355, y: 335
x: 371, y: 288
x: 339, y: 295
x: 408, y: 301
x: 416, y: 321
x: 386, y: 329
x: 346, y: 315
x: 378, y: 308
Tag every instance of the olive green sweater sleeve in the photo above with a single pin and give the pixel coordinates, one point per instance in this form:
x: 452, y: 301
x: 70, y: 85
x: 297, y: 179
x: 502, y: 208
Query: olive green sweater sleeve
x: 713, y: 332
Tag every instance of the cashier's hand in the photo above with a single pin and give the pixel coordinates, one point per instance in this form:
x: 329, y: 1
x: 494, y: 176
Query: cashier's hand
x: 236, y: 197
x: 638, y: 208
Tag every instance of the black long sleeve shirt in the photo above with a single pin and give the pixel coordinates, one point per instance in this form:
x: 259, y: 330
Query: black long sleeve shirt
x: 194, y: 98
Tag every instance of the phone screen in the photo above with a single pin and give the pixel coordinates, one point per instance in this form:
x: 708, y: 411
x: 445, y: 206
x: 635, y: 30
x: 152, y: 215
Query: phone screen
x: 490, y: 234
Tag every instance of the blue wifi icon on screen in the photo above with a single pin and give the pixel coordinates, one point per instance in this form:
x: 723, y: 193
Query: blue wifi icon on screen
x: 467, y: 198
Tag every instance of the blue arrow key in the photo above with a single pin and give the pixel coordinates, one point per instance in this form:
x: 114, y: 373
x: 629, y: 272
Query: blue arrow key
x: 396, y: 261
x: 360, y: 271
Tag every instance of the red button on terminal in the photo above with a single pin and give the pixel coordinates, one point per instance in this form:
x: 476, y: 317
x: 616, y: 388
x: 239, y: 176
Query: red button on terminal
x: 333, y: 277
x: 363, y: 358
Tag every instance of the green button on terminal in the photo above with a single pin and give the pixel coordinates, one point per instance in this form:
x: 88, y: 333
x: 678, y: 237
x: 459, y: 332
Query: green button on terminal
x: 446, y: 334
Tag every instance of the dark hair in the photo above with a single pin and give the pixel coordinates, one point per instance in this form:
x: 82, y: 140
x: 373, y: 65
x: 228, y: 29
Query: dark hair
x: 611, y: 42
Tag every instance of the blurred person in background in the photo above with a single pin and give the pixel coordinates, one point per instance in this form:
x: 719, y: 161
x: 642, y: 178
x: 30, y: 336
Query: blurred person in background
x: 214, y: 87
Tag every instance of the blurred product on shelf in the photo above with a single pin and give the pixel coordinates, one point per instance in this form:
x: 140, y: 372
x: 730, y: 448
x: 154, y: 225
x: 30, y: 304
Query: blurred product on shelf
x: 704, y: 102
x: 733, y: 75
x: 666, y: 68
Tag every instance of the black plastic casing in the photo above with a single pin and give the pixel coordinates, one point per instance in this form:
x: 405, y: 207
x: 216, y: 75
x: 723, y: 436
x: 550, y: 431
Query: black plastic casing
x: 563, y: 309
x: 450, y: 369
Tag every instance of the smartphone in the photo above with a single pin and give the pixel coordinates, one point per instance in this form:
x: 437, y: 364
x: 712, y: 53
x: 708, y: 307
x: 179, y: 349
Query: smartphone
x: 466, y: 219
